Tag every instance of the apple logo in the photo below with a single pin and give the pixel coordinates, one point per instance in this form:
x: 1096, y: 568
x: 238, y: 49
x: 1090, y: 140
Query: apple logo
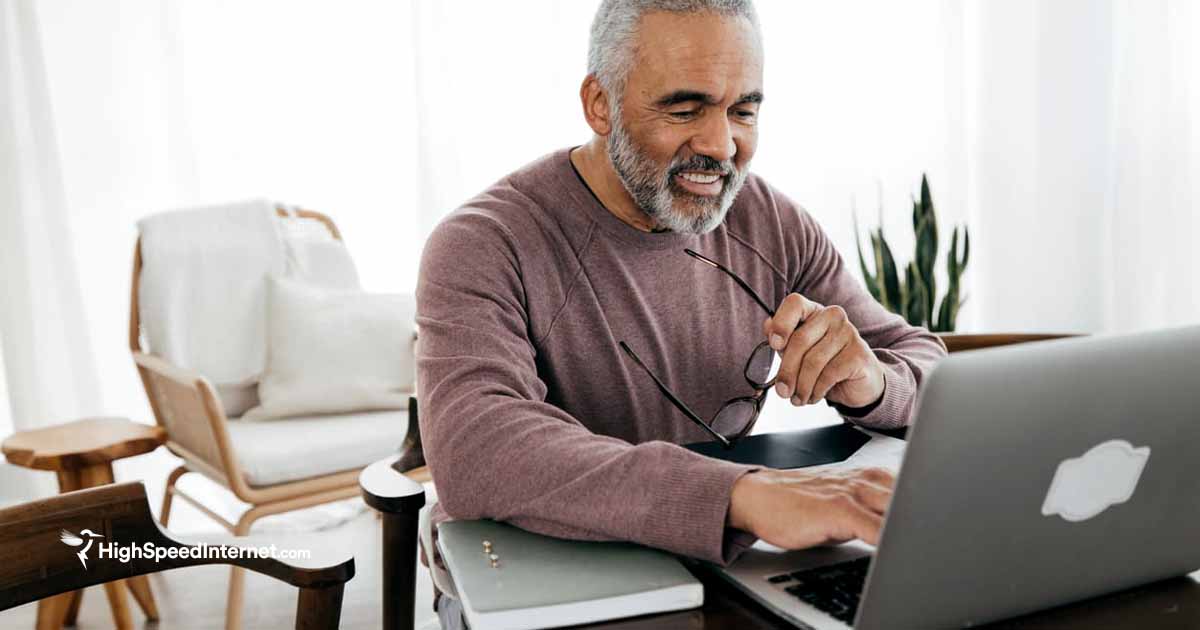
x: 1102, y: 477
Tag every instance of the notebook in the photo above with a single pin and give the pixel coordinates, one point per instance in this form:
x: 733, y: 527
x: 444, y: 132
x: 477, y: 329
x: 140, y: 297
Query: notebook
x: 791, y: 449
x: 544, y: 582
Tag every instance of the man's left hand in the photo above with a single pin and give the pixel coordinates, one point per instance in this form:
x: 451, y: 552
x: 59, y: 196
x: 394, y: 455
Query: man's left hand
x: 823, y: 355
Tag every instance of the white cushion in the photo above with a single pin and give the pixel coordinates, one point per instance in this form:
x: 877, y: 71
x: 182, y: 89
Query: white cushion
x: 292, y: 449
x: 334, y: 351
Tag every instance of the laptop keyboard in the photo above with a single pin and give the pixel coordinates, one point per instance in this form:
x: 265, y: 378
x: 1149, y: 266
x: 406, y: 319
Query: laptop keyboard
x: 834, y: 589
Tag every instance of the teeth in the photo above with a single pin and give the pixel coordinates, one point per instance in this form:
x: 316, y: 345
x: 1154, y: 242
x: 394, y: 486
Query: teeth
x: 700, y: 179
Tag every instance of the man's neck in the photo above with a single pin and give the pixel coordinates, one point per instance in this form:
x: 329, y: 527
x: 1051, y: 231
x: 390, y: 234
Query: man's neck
x: 591, y: 160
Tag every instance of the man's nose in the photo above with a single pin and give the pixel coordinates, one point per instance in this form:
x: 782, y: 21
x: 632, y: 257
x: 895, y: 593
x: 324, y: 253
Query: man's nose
x: 715, y: 139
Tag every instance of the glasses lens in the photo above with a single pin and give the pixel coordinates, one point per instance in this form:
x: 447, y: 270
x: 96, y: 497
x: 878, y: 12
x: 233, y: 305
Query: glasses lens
x: 733, y: 418
x: 763, y: 365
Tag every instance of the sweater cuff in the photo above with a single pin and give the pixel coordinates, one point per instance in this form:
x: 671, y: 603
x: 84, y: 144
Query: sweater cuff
x: 899, y: 390
x: 694, y: 504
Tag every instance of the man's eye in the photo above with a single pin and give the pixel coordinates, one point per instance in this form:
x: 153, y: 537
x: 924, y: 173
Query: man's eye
x: 746, y: 114
x: 684, y: 114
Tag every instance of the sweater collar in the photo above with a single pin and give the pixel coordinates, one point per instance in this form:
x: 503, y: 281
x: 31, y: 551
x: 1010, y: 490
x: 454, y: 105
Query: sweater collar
x: 614, y: 227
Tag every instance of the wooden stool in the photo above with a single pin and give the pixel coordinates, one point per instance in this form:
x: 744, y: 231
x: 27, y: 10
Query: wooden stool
x: 82, y: 453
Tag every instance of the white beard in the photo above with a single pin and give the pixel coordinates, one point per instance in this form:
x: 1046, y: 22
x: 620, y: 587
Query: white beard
x: 656, y: 194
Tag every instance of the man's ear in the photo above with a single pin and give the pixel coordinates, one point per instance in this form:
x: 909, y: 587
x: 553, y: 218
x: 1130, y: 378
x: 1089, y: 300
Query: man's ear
x: 595, y: 105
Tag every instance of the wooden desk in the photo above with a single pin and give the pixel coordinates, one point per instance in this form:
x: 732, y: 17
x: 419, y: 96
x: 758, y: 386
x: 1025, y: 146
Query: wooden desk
x: 1168, y: 605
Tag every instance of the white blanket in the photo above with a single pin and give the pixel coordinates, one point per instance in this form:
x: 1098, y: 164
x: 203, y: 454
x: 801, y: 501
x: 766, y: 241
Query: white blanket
x: 203, y: 286
x: 203, y: 294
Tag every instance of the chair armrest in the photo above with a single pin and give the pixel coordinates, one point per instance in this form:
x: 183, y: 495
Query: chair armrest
x: 37, y: 566
x: 389, y: 491
x: 399, y: 499
x: 325, y: 565
x: 187, y: 407
x: 165, y: 369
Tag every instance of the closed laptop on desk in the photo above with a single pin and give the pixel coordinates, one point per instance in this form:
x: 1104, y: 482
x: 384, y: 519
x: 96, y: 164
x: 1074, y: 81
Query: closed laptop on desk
x: 544, y: 582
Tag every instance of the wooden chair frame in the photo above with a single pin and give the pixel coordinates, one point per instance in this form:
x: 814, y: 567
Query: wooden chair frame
x: 37, y: 566
x: 186, y: 406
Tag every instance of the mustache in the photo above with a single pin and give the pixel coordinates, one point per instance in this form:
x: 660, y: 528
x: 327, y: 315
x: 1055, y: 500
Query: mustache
x: 702, y: 163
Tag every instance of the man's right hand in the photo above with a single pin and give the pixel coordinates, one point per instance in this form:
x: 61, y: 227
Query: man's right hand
x: 796, y: 509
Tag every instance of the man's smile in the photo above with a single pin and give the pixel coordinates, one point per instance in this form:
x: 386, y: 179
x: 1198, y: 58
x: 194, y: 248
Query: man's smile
x: 700, y: 183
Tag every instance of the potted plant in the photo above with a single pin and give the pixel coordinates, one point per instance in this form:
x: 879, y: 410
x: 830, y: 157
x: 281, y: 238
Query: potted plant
x: 914, y: 296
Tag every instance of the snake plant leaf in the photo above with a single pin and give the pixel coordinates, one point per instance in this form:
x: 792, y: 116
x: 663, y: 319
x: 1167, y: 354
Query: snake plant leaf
x: 877, y: 250
x: 891, y: 282
x: 913, y: 293
x: 926, y: 198
x: 926, y: 255
x: 915, y: 310
x: 943, y: 319
x: 952, y: 258
x: 966, y: 250
x: 868, y: 277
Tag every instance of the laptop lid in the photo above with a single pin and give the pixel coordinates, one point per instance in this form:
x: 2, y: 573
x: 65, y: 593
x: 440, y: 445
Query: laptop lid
x: 1043, y: 474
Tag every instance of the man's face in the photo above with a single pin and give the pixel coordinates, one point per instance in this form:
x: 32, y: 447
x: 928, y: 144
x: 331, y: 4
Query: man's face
x: 687, y: 126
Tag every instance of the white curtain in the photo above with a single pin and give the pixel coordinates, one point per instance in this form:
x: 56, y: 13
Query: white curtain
x: 1077, y: 133
x: 1061, y: 132
x: 49, y: 370
x: 1154, y: 209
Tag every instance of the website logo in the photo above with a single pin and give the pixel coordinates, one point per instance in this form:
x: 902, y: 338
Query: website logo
x: 129, y: 552
x: 71, y: 540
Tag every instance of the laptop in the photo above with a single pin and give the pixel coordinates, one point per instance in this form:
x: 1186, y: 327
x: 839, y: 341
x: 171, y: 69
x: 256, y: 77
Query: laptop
x: 1034, y: 476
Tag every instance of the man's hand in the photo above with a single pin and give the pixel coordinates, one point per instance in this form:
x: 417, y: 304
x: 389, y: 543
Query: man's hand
x: 822, y: 355
x: 797, y: 509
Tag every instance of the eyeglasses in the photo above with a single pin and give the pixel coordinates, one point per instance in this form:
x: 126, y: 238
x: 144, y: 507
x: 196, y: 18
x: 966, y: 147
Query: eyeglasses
x: 737, y: 416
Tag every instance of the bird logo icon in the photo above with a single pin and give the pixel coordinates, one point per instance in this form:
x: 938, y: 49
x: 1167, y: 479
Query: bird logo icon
x: 74, y: 541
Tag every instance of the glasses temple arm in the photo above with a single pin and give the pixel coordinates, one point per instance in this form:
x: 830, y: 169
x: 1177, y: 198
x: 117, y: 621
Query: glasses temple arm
x: 741, y: 283
x: 666, y: 391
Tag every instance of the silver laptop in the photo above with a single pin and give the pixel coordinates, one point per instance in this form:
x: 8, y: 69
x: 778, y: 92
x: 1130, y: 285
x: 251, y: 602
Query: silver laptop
x: 1034, y: 476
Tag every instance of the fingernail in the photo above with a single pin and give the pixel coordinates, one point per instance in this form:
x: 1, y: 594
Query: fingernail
x: 783, y: 390
x: 776, y: 342
x: 796, y: 401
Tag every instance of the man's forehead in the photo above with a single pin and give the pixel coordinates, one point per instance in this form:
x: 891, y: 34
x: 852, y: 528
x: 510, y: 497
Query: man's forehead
x: 703, y: 53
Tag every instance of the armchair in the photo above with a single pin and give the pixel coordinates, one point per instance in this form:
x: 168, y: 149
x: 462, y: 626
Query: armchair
x: 275, y: 466
x: 38, y: 566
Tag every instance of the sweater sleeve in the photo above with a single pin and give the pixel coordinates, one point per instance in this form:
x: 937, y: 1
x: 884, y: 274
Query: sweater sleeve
x: 498, y: 450
x: 908, y: 353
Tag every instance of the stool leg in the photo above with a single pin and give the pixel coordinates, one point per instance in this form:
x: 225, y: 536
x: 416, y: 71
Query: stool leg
x: 139, y: 587
x: 120, y: 607
x: 73, y: 608
x: 94, y: 475
x: 68, y: 481
x: 50, y: 611
x: 99, y: 475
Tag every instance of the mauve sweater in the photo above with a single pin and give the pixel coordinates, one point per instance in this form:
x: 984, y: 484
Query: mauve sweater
x: 532, y: 414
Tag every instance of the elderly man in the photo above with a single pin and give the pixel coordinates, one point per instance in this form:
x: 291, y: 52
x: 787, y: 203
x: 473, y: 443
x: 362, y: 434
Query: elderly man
x: 551, y: 303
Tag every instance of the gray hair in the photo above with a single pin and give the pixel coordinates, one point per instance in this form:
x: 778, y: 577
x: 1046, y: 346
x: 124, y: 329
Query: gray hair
x: 611, y: 50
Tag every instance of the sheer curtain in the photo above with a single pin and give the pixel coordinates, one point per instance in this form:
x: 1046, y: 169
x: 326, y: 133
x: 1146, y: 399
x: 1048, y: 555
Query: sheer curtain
x: 1061, y: 132
x: 49, y: 371
x: 1077, y: 140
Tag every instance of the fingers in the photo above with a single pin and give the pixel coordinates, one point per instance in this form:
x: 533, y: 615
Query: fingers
x: 795, y: 310
x: 879, y: 476
x: 863, y: 523
x: 838, y: 369
x: 800, y: 509
x: 871, y: 496
x: 810, y: 347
